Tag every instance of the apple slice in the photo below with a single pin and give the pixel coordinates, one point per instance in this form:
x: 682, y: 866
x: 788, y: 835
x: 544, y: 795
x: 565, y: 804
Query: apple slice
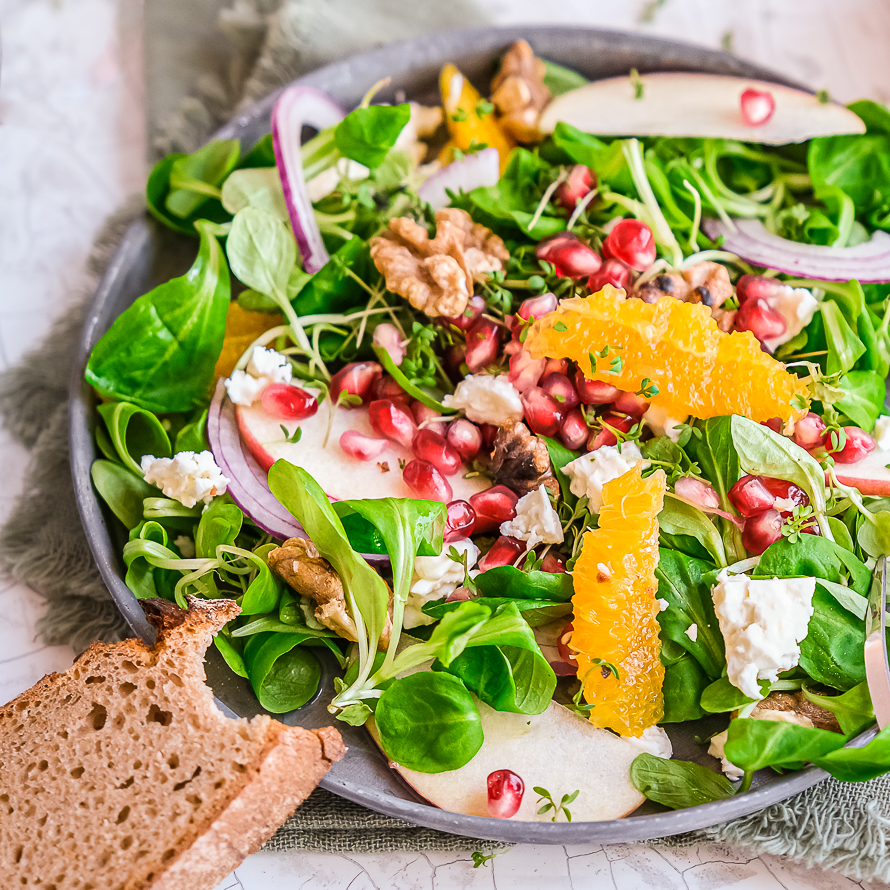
x: 870, y: 475
x: 556, y: 750
x: 340, y: 475
x: 698, y: 105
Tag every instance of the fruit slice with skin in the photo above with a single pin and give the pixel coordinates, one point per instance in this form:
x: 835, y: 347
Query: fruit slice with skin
x: 698, y: 369
x: 339, y: 475
x: 555, y: 750
x: 697, y: 105
x: 870, y: 475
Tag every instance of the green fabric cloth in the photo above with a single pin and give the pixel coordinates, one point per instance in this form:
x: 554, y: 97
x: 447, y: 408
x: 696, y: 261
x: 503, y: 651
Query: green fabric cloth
x: 845, y: 827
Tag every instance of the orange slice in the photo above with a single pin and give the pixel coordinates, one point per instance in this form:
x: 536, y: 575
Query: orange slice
x: 614, y: 607
x: 697, y: 368
x: 242, y: 328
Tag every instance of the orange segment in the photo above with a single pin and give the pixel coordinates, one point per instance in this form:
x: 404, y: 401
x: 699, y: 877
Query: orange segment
x: 614, y: 606
x: 242, y: 328
x: 698, y: 369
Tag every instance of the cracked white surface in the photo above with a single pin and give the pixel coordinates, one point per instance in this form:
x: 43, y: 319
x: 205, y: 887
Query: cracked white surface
x: 71, y: 137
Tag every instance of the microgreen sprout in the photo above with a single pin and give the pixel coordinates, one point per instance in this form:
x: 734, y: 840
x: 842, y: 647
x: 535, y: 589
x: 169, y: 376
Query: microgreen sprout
x: 460, y: 558
x: 545, y: 797
x: 480, y: 858
x: 802, y: 518
x: 647, y: 389
x: 484, y: 107
x: 292, y: 438
x: 637, y: 83
x: 460, y: 116
x: 616, y: 363
x: 532, y: 563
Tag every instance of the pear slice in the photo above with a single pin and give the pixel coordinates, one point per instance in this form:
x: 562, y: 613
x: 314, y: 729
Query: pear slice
x: 696, y: 105
x: 870, y: 475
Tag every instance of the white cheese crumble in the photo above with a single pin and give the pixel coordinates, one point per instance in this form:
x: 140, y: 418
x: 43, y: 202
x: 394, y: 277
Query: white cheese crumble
x: 590, y: 472
x: 653, y: 740
x: 486, y: 399
x: 662, y: 424
x: 692, y: 632
x: 435, y: 577
x: 797, y: 306
x: 265, y: 366
x: 882, y: 433
x: 187, y: 477
x: 662, y: 604
x: 762, y: 621
x: 535, y: 522
x: 784, y: 505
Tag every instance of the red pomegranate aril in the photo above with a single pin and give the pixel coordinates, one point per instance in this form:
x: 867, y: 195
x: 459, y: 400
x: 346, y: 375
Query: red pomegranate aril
x: 492, y: 507
x: 464, y: 437
x: 483, y: 342
x: 579, y: 183
x: 542, y: 412
x: 459, y: 594
x: 570, y: 257
x: 553, y: 563
x: 606, y: 436
x: 562, y: 644
x: 357, y: 378
x: 574, y: 431
x: 392, y: 421
x: 431, y: 446
x: 525, y: 371
x: 360, y: 446
x: 696, y: 492
x: 858, y: 444
x: 287, y: 402
x: 556, y: 366
x: 464, y: 321
x: 489, y: 433
x: 504, y: 552
x: 453, y: 359
x: 631, y: 242
x: 426, y: 481
x: 788, y: 491
x: 632, y: 404
x: 762, y: 530
x: 549, y: 247
x: 613, y: 272
x: 757, y: 107
x: 758, y: 317
x: 776, y: 424
x: 750, y: 496
x: 537, y: 307
x: 387, y: 388
x: 809, y: 432
x: 594, y: 392
x: 428, y: 418
x: 459, y: 521
x: 559, y: 387
x: 756, y: 287
x: 505, y: 790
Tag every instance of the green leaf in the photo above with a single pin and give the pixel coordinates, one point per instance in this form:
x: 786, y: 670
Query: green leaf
x: 559, y: 79
x: 844, y: 347
x: 721, y: 696
x: 331, y: 288
x: 196, y: 177
x: 684, y: 683
x: 134, y: 432
x: 255, y: 187
x: 607, y: 158
x: 161, y: 353
x: 755, y: 744
x: 283, y: 676
x: 355, y: 715
x: 428, y: 722
x: 853, y: 709
x: 262, y: 252
x: 864, y: 394
x: 367, y: 134
x: 230, y: 654
x: 509, y: 582
x: 534, y: 612
x: 813, y: 557
x: 677, y: 783
x: 122, y: 490
x: 158, y: 188
x: 716, y: 455
x: 220, y: 524
x: 874, y: 535
x: 559, y: 457
x: 192, y: 437
x: 680, y: 518
x: 832, y: 651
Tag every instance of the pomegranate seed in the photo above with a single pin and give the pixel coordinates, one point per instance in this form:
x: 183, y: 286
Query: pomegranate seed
x: 594, y: 392
x: 697, y: 492
x: 426, y: 481
x: 464, y: 437
x: 570, y: 257
x: 386, y: 387
x: 505, y: 790
x: 392, y: 421
x: 483, y: 342
x: 460, y: 520
x: 613, y: 272
x: 574, y: 430
x: 453, y: 359
x: 459, y: 594
x: 542, y: 412
x: 774, y: 423
x: 580, y: 182
x: 428, y: 418
x: 757, y: 107
x: 559, y: 387
x: 288, y: 402
x: 750, y: 496
x: 553, y: 563
x: 525, y: 371
x: 562, y: 645
x: 758, y: 317
x: 632, y: 404
x: 809, y: 432
x: 360, y: 446
x: 387, y: 336
x: 464, y: 321
x: 556, y: 366
x: 757, y: 287
x: 493, y: 506
x: 606, y: 436
x: 537, y: 307
x: 430, y: 446
x: 489, y: 433
x: 788, y: 491
x: 504, y: 552
x: 631, y: 242
x: 859, y: 443
x: 761, y: 531
x: 356, y: 378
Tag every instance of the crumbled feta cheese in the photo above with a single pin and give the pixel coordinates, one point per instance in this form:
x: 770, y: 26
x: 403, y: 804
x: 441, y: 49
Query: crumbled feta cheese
x: 882, y: 433
x: 662, y: 424
x: 535, y: 521
x: 662, y: 604
x: 185, y: 545
x: 265, y: 366
x: 435, y: 577
x: 653, y: 740
x: 590, y: 472
x: 797, y: 306
x: 692, y: 632
x: 187, y: 477
x: 784, y: 505
x: 486, y: 399
x: 243, y: 389
x: 718, y: 742
x: 762, y: 621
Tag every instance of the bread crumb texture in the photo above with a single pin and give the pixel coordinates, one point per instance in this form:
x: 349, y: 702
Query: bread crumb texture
x: 122, y: 774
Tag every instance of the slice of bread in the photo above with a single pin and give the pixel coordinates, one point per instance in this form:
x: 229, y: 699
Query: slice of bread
x: 122, y: 774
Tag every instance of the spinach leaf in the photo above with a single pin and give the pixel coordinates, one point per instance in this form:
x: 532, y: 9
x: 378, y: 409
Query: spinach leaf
x: 854, y: 163
x: 506, y: 678
x: 158, y: 187
x: 832, y: 651
x: 283, y: 676
x: 220, y: 524
x: 192, y: 437
x: 255, y: 187
x: 677, y: 783
x: 428, y: 722
x: 512, y: 583
x: 813, y: 557
x: 684, y: 683
x: 714, y: 452
x: 859, y: 764
x: 679, y: 518
x: 844, y: 347
x: 196, y: 177
x: 559, y: 457
x: 161, y: 353
x: 721, y: 696
x: 264, y: 593
x: 367, y: 134
x: 755, y: 744
x: 122, y: 490
x: 864, y: 394
x: 853, y: 709
x: 332, y: 288
x: 607, y: 159
x: 875, y: 116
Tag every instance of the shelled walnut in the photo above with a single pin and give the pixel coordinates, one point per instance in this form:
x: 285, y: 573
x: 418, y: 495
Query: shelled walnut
x: 520, y: 460
x: 705, y: 283
x: 518, y: 92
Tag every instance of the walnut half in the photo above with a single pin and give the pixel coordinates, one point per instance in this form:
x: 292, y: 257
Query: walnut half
x: 518, y: 92
x: 436, y: 275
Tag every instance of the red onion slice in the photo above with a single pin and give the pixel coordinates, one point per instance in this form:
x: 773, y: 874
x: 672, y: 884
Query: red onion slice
x: 481, y: 168
x: 298, y: 106
x: 868, y: 262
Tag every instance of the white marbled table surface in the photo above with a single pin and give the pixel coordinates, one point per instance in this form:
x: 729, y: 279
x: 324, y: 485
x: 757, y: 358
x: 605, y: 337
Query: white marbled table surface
x: 72, y: 144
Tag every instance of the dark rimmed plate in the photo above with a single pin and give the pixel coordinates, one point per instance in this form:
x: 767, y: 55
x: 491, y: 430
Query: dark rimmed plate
x: 150, y: 254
